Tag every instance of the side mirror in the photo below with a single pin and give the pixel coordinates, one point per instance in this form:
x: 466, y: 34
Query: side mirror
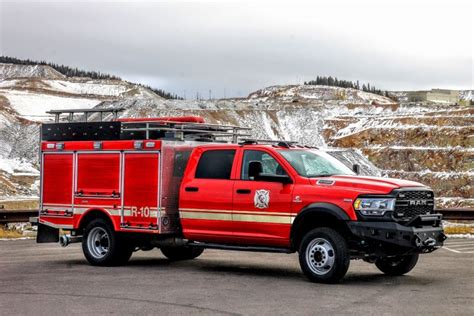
x: 255, y: 169
x: 356, y: 168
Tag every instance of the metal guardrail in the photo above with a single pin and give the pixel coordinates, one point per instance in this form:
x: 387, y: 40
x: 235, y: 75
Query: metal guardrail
x: 22, y: 216
x: 16, y: 216
x: 466, y: 214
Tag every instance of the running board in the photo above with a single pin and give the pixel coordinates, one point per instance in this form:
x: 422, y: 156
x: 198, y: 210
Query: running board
x: 240, y: 248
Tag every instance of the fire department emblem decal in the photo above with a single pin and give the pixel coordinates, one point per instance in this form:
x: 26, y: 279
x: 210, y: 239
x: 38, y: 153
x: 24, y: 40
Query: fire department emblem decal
x: 261, y: 199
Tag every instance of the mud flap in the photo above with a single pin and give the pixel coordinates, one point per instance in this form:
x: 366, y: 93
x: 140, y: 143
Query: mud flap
x: 47, y: 234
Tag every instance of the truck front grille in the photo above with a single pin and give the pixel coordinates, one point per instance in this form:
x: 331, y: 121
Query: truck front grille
x: 413, y: 203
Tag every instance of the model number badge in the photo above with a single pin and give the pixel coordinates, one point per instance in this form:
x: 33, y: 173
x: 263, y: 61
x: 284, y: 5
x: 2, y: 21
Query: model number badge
x: 261, y: 199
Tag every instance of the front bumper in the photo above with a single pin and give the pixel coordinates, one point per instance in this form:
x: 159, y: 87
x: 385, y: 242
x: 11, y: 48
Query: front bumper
x: 422, y: 234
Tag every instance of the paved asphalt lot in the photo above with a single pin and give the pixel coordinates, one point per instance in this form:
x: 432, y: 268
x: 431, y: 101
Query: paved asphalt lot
x: 49, y: 280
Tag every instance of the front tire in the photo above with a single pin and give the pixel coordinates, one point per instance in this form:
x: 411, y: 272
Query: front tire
x: 181, y: 253
x: 102, y: 246
x: 397, y: 265
x: 324, y: 255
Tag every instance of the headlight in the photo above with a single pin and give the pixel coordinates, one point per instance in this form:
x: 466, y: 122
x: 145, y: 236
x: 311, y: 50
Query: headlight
x: 374, y: 206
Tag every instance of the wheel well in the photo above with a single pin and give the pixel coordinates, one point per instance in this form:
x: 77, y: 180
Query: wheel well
x: 314, y: 219
x: 90, y: 216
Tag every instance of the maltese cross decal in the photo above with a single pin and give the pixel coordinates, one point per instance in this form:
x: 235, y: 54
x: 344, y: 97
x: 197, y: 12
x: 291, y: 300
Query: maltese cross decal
x: 261, y: 198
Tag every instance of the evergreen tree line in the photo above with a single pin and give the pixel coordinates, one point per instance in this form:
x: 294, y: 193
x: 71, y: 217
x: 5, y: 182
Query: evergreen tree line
x: 163, y: 93
x: 75, y: 72
x: 334, y: 82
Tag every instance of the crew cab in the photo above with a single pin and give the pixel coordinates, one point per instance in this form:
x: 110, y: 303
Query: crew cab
x: 171, y: 183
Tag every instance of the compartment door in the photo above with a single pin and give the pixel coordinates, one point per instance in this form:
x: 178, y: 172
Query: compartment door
x: 57, y: 182
x: 141, y: 174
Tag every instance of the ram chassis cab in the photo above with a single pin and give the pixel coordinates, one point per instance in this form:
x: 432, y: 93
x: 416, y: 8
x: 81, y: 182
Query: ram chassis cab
x: 168, y: 183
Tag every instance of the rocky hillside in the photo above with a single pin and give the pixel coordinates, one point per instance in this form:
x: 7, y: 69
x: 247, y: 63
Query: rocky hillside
x: 434, y: 146
x: 429, y: 143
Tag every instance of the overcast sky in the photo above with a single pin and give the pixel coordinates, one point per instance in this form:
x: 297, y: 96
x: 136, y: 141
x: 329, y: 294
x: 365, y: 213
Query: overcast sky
x: 238, y: 47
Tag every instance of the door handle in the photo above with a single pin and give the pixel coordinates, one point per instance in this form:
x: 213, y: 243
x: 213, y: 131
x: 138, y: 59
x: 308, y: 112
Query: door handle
x: 191, y: 189
x: 243, y: 191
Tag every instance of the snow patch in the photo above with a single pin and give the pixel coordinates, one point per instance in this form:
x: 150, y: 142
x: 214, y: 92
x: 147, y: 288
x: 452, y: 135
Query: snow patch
x: 34, y: 106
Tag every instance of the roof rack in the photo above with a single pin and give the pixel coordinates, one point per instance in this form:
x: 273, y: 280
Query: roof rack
x: 182, y: 129
x: 172, y: 128
x: 85, y: 112
x: 281, y: 143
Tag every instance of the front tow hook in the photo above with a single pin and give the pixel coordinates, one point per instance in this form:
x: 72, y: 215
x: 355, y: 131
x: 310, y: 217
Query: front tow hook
x: 429, y: 242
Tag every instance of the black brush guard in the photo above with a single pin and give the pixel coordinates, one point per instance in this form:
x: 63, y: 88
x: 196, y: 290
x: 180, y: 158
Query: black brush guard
x: 422, y: 234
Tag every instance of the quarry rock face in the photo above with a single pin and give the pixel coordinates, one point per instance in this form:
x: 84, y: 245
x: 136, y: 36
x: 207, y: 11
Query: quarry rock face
x: 429, y: 143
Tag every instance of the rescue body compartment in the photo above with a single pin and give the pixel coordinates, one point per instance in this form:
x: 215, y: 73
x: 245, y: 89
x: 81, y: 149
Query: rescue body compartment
x: 122, y: 179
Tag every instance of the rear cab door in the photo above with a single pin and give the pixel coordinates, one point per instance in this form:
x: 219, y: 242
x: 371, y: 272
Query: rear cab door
x: 205, y: 205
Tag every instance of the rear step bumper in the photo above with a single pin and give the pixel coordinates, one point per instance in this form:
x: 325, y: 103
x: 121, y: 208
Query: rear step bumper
x: 239, y: 248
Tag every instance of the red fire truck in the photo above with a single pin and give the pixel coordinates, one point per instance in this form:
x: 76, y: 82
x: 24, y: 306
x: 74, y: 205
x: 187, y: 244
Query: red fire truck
x: 181, y: 185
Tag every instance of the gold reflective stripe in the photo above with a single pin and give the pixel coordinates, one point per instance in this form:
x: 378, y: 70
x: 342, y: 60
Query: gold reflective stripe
x: 80, y: 210
x: 235, y: 212
x: 262, y: 219
x: 237, y: 217
x: 211, y: 216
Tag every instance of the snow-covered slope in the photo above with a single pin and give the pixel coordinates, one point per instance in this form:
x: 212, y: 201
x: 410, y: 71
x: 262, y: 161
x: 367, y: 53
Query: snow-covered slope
x: 25, y: 71
x: 33, y: 90
x: 296, y: 93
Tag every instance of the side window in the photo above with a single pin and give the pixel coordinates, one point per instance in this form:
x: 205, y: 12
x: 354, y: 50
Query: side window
x: 215, y: 164
x: 269, y: 165
x: 180, y: 162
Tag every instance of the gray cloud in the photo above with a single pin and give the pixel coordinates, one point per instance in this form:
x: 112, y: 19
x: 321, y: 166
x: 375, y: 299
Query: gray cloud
x: 243, y: 46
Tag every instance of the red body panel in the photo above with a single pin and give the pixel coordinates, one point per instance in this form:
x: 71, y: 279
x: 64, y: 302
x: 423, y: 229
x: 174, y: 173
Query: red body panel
x: 140, y: 194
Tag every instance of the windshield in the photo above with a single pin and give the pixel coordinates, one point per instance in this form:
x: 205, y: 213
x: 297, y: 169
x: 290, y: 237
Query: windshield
x: 314, y: 164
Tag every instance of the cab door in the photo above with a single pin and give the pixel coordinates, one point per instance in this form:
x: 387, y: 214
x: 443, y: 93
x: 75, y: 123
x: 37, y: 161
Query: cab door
x: 262, y: 209
x: 205, y: 206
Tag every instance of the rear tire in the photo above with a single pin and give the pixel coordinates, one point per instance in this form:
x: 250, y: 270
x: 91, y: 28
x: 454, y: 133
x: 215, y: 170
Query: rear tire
x: 397, y: 265
x: 102, y: 246
x: 324, y: 256
x: 181, y: 253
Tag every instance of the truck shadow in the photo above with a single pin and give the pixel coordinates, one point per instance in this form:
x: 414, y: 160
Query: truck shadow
x: 255, y: 270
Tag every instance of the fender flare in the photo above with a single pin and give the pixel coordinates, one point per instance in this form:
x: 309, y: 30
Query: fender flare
x: 320, y: 209
x: 104, y: 212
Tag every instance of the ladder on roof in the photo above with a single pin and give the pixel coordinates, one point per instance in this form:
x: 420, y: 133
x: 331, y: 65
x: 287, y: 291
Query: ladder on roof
x: 86, y: 112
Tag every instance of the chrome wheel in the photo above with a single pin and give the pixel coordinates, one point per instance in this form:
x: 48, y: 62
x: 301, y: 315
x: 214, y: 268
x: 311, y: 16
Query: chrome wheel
x: 98, y: 242
x: 320, y: 256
